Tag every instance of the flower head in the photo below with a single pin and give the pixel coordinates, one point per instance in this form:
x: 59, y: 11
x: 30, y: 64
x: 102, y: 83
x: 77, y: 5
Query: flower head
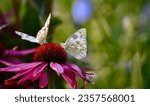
x: 50, y: 52
x: 48, y: 55
x: 52, y: 57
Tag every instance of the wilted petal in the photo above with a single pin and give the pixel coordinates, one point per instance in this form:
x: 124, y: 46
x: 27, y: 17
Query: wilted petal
x: 57, y: 67
x: 43, y: 80
x: 19, y: 52
x: 88, y: 77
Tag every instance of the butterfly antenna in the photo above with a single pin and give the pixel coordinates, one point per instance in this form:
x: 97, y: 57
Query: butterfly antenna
x: 50, y: 37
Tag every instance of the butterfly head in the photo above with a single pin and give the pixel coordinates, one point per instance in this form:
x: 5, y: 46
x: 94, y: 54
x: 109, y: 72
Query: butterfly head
x: 63, y: 45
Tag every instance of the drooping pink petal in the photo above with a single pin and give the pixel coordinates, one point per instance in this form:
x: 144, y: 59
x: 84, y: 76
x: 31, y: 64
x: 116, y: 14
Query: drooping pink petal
x: 19, y: 67
x: 19, y: 52
x: 88, y: 77
x: 6, y: 63
x: 19, y: 74
x: 75, y: 68
x: 57, y: 67
x: 84, y: 85
x: 33, y: 78
x: 31, y: 75
x: 70, y: 77
x: 39, y: 69
x: 26, y: 76
x: 43, y: 80
x: 70, y: 81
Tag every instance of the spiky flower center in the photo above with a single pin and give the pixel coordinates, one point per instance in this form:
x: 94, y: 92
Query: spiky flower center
x: 50, y: 52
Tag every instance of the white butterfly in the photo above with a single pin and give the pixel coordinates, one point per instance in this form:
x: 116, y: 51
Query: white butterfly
x: 76, y: 44
x: 41, y: 35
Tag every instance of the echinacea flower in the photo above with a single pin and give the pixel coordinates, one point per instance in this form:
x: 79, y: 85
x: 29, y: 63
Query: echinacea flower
x: 8, y: 56
x: 48, y: 55
x: 52, y: 57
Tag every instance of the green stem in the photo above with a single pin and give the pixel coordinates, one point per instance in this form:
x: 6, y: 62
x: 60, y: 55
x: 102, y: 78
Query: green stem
x: 51, y: 78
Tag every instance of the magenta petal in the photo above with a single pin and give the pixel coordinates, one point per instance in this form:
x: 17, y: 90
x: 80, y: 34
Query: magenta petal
x: 26, y: 77
x: 6, y: 63
x: 75, y: 68
x: 84, y: 85
x: 19, y: 52
x: 20, y: 74
x: 33, y: 78
x: 70, y: 79
x: 43, y: 80
x: 39, y: 69
x: 69, y: 76
x: 57, y: 67
x: 19, y: 67
x: 88, y: 76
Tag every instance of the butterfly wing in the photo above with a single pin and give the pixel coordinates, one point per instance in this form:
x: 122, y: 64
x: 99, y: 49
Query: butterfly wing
x: 26, y: 37
x: 3, y: 26
x: 76, y: 45
x: 42, y: 34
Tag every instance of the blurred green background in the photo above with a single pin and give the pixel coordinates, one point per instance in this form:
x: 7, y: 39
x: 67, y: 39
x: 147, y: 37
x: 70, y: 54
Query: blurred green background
x: 118, y: 35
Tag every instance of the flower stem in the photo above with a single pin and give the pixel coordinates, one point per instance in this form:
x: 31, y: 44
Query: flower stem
x: 51, y: 79
x: 50, y: 72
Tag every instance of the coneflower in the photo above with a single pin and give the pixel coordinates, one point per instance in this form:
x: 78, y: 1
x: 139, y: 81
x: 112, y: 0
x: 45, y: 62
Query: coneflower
x: 52, y: 57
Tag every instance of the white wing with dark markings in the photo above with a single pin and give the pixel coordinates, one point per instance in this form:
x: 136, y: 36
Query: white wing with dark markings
x: 26, y: 37
x: 41, y: 35
x: 76, y: 44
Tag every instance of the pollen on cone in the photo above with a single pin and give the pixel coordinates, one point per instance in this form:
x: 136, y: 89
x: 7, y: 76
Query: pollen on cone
x: 50, y: 52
